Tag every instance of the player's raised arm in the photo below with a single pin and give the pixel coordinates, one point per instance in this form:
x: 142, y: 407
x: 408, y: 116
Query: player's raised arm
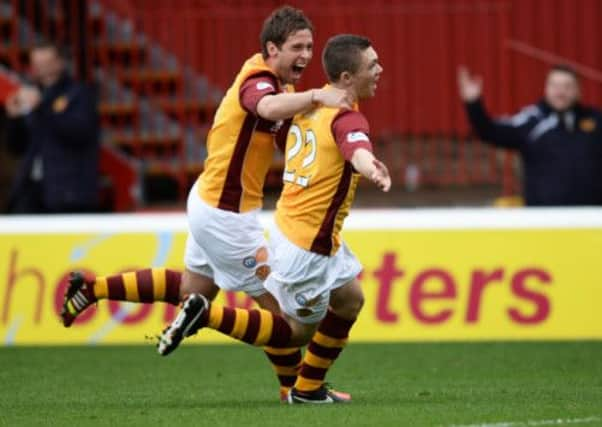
x: 351, y: 131
x: 370, y: 167
x: 285, y: 105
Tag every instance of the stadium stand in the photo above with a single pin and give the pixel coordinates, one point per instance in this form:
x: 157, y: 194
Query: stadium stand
x: 162, y: 68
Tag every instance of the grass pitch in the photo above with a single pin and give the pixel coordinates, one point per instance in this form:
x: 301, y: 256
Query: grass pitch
x: 392, y: 384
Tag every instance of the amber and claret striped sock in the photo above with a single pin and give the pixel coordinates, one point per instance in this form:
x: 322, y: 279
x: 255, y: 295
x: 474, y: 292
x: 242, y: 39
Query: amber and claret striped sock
x: 147, y: 285
x: 256, y: 327
x: 286, y: 363
x: 323, y: 349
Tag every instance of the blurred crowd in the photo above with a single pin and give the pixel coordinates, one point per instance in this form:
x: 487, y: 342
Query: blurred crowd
x: 51, y: 130
x: 52, y: 126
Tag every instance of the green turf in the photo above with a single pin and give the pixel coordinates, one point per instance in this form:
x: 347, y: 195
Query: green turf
x: 392, y: 384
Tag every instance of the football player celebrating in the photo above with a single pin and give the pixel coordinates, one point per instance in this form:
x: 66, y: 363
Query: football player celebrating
x: 314, y: 276
x: 226, y: 248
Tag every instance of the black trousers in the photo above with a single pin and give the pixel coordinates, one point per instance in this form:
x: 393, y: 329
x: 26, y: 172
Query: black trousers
x: 27, y: 201
x: 30, y: 200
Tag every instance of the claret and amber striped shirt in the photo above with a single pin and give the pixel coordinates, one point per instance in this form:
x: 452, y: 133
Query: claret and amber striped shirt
x: 319, y: 180
x: 240, y: 144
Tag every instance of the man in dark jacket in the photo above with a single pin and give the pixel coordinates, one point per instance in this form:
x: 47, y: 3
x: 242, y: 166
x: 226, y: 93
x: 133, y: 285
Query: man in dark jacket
x: 560, y: 140
x: 54, y: 125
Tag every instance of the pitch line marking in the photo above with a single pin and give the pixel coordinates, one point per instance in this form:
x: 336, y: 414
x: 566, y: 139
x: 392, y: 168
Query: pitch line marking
x: 553, y: 422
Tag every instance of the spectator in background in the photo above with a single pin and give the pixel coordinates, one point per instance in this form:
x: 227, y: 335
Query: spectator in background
x: 55, y: 126
x: 560, y: 140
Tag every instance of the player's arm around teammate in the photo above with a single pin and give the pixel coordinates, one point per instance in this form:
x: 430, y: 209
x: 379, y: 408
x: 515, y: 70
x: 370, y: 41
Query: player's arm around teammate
x: 266, y: 94
x: 226, y: 248
x: 314, y: 274
x: 287, y: 55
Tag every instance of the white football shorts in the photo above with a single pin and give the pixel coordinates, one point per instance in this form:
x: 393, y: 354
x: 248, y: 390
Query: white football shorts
x: 301, y: 280
x: 226, y: 246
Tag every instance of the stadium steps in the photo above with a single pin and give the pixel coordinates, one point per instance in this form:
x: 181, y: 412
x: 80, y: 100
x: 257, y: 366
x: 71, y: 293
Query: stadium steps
x: 153, y: 109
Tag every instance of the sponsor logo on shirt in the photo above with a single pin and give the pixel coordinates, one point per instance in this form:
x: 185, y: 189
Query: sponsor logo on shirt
x: 264, y: 86
x: 357, y: 137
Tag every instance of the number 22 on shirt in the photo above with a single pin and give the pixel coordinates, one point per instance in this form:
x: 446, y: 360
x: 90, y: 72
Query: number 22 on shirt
x: 300, y: 157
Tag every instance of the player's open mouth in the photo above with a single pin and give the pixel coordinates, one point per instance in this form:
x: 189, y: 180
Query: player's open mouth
x: 298, y: 69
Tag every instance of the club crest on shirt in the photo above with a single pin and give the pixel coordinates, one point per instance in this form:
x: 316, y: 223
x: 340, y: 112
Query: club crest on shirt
x: 60, y: 104
x: 587, y: 125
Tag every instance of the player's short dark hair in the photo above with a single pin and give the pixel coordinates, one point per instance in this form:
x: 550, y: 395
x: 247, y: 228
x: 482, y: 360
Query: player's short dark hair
x: 564, y: 68
x: 283, y: 22
x: 61, y: 52
x: 343, y: 53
